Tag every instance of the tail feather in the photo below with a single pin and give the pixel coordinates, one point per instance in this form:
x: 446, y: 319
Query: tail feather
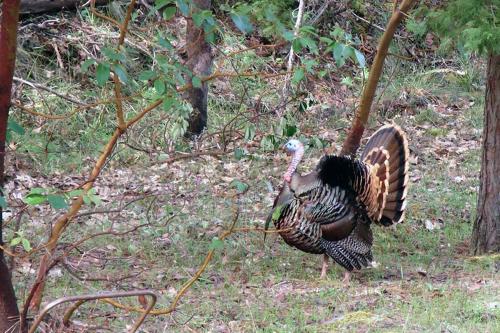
x: 391, y: 140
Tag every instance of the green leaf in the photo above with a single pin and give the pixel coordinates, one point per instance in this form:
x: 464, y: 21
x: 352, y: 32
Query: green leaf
x: 166, y: 44
x: 338, y: 32
x: 93, y: 197
x: 242, y: 22
x: 216, y: 244
x: 249, y: 132
x: 348, y: 52
x: 360, y: 58
x: 317, y: 142
x: 183, y: 7
x: 196, y: 82
x: 3, y: 202
x: 15, y: 127
x: 210, y: 37
x: 239, y: 185
x: 120, y: 71
x: 276, y: 213
x: 26, y: 245
x: 86, y: 64
x: 167, y: 103
x: 290, y: 130
x: 341, y: 52
x: 326, y: 40
x: 146, y: 75
x: 37, y: 190
x: 96, y: 199
x: 298, y: 75
x: 288, y: 35
x: 347, y: 81
x: 198, y: 18
x: 268, y: 142
x: 57, y: 201
x: 310, y: 44
x: 15, y: 241
x: 75, y: 193
x: 169, y: 12
x: 159, y: 85
x: 102, y: 73
x: 297, y: 45
x: 309, y: 64
x: 239, y: 153
x: 159, y: 4
x: 35, y: 199
x: 113, y: 55
x: 338, y: 51
x: 87, y: 200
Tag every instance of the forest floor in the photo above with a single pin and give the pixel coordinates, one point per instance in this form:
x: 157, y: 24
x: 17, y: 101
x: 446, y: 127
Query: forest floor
x: 171, y: 207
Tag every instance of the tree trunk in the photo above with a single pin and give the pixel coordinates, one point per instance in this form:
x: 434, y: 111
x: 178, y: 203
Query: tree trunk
x: 41, y: 6
x: 486, y: 232
x: 200, y: 63
x: 353, y: 139
x: 9, y: 313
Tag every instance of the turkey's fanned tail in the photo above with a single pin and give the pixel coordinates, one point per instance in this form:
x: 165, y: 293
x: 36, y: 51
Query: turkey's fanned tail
x: 388, y: 149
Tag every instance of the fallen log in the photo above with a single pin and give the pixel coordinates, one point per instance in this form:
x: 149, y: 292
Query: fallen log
x: 42, y: 6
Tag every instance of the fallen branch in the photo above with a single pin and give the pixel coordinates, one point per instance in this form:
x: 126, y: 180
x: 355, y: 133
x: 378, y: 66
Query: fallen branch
x: 85, y: 298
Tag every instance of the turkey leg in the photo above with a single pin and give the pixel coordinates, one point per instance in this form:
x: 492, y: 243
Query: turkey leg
x: 324, y: 268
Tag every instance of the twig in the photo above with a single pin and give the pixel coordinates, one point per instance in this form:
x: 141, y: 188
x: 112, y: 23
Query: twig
x: 104, y: 17
x: 295, y: 33
x: 259, y: 46
x: 289, y: 66
x: 42, y: 87
x: 322, y: 10
x: 71, y: 271
x: 372, y: 24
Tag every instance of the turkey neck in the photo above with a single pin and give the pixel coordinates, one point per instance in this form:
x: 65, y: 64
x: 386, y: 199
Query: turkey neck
x: 296, y: 158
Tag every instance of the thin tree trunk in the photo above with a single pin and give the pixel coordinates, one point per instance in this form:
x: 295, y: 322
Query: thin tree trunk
x: 200, y: 63
x: 41, y: 6
x: 351, y: 143
x: 9, y: 312
x: 486, y: 232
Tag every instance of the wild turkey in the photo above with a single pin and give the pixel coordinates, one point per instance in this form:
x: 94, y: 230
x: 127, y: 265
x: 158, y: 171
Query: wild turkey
x: 329, y: 211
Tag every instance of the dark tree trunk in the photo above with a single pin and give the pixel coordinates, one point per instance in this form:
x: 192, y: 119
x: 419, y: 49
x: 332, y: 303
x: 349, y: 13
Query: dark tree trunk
x: 9, y: 313
x: 486, y: 232
x: 200, y: 63
x: 41, y: 6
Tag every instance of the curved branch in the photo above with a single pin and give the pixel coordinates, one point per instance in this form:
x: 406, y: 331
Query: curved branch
x: 85, y: 298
